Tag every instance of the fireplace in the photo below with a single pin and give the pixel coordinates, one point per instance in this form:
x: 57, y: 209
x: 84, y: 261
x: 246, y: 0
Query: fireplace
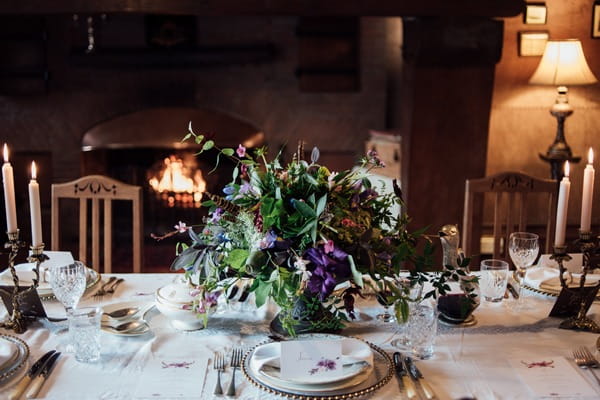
x: 145, y: 149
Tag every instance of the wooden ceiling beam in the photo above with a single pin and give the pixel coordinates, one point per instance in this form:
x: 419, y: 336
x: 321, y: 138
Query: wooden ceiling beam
x: 453, y: 8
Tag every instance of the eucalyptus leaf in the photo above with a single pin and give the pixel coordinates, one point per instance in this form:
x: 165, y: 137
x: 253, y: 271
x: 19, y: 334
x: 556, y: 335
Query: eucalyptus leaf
x: 228, y: 152
x: 262, y: 292
x: 209, y: 144
x: 356, y: 275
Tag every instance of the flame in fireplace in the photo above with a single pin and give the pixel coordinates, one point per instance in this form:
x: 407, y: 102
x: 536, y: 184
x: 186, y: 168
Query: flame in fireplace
x: 178, y: 182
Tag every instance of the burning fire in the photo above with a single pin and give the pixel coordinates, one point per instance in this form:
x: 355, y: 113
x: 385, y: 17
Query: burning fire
x: 179, y: 183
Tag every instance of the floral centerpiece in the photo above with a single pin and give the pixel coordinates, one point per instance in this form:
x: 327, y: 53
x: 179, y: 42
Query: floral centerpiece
x: 300, y: 230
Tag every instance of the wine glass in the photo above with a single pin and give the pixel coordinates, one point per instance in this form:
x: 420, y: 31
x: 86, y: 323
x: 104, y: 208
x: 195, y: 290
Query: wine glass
x: 523, y: 248
x: 385, y: 298
x: 412, y: 291
x: 68, y: 284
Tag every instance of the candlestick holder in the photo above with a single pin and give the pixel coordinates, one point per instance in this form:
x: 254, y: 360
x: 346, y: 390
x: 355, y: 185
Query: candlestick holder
x: 17, y: 321
x: 588, y: 246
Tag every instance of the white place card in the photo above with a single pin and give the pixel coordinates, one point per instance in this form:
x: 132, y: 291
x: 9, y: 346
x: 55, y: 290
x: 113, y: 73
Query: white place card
x: 172, y: 378
x: 552, y: 376
x: 301, y: 358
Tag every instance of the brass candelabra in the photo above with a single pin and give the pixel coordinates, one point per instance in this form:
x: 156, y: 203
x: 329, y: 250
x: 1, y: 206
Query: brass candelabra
x: 588, y: 246
x: 16, y: 320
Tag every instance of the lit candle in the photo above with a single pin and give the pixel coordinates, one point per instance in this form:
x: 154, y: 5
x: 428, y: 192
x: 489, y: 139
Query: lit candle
x: 588, y: 194
x: 8, y: 181
x: 34, y: 206
x: 563, y: 205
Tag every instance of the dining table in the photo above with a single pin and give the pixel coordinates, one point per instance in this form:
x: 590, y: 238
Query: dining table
x: 468, y: 362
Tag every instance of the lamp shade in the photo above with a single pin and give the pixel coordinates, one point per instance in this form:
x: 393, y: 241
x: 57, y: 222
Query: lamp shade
x: 563, y: 63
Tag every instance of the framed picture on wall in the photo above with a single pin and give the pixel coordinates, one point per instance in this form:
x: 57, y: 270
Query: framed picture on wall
x: 596, y: 20
x: 535, y: 14
x: 532, y: 44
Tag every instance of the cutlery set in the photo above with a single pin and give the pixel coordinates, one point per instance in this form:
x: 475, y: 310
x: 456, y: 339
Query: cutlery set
x: 410, y: 378
x: 35, y: 377
x: 108, y: 287
x: 585, y: 359
x: 219, y: 365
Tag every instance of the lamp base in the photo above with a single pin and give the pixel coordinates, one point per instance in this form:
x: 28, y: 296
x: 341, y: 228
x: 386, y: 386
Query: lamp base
x: 559, y: 151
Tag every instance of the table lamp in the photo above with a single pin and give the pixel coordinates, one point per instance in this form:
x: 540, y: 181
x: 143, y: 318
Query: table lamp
x: 562, y: 64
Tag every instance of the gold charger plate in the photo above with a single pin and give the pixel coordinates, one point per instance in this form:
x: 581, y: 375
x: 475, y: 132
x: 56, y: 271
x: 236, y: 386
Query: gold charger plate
x: 550, y: 293
x: 19, y: 361
x: 383, y: 370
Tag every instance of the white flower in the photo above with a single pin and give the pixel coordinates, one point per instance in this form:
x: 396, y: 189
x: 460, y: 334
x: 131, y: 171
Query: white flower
x: 181, y: 227
x: 300, y: 265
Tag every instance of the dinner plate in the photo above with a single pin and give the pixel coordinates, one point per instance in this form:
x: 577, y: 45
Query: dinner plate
x: 355, y: 387
x: 266, y: 359
x: 12, y: 368
x: 144, y: 308
x: 44, y: 289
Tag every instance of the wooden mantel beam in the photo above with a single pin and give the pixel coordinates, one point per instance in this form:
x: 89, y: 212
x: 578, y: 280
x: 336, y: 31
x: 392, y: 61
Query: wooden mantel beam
x: 450, y: 8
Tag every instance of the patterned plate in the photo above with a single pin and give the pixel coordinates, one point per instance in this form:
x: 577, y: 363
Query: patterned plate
x: 19, y: 361
x: 382, y: 373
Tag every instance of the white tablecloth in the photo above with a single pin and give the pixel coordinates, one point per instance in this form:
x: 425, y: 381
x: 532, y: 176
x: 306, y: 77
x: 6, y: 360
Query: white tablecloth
x: 469, y: 361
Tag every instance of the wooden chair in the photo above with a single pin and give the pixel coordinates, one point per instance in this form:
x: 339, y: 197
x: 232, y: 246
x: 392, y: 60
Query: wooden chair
x: 97, y: 189
x: 516, y: 187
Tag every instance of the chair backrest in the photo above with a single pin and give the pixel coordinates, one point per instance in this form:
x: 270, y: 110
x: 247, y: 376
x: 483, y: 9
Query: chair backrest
x: 99, y: 189
x: 516, y: 187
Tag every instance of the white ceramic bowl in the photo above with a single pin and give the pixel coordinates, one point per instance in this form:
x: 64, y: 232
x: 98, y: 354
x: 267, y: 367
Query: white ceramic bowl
x: 170, y: 301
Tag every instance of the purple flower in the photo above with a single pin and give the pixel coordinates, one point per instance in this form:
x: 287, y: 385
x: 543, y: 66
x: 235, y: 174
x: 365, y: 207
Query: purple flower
x: 327, y: 270
x: 367, y: 195
x: 211, y: 298
x: 241, y: 151
x: 268, y: 241
x: 216, y: 215
x: 327, y: 364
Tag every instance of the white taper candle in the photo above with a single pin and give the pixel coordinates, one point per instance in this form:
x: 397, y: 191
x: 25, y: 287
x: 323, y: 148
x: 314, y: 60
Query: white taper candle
x: 588, y: 194
x: 35, y: 209
x: 561, y: 211
x: 8, y: 181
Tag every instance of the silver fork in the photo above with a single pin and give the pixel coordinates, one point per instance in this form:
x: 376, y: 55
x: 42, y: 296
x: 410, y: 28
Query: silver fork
x: 236, y: 358
x: 102, y: 291
x: 584, y: 359
x: 219, y: 365
x: 111, y: 290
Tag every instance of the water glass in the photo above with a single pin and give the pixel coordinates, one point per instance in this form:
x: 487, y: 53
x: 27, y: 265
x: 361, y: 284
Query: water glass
x: 421, y: 330
x: 494, y: 278
x: 84, y: 326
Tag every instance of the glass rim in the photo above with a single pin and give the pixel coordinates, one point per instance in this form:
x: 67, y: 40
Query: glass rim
x: 494, y: 263
x: 524, y: 235
x: 90, y: 311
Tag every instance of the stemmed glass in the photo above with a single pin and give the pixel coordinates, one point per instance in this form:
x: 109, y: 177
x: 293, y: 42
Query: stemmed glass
x: 523, y: 248
x: 68, y: 284
x: 385, y: 297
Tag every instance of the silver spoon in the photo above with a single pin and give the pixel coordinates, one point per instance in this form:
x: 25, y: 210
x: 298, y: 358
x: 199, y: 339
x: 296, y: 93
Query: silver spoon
x: 130, y: 326
x: 123, y: 312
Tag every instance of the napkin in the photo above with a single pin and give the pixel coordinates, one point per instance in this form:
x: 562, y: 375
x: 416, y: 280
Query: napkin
x: 353, y: 351
x: 573, y: 265
x: 25, y: 270
x: 545, y: 278
x: 8, y: 353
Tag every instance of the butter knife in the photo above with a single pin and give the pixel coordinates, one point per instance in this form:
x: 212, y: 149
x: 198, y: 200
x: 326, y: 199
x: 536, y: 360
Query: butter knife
x: 402, y: 374
x: 29, y: 376
x: 418, y: 377
x: 37, y: 383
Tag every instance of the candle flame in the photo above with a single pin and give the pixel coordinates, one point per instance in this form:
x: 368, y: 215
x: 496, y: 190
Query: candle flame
x: 590, y: 156
x: 33, y: 170
x: 567, y: 169
x: 5, y: 153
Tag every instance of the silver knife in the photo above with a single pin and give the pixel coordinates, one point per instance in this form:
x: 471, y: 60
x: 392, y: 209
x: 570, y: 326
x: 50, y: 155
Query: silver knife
x: 37, y: 383
x: 402, y: 375
x: 31, y: 374
x: 418, y: 377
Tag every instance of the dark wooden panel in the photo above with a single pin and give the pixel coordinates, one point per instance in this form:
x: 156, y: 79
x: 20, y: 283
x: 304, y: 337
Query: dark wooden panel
x: 497, y: 8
